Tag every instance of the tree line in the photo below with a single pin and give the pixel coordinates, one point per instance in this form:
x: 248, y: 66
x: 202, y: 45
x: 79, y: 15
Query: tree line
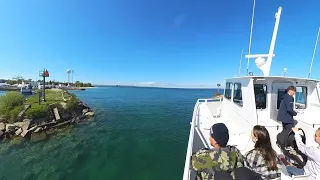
x: 19, y: 80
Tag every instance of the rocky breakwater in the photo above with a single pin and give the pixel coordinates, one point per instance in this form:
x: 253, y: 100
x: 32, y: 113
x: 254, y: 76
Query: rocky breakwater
x: 36, y: 121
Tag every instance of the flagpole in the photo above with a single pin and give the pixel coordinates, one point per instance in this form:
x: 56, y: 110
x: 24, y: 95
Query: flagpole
x: 314, y: 52
x: 249, y: 51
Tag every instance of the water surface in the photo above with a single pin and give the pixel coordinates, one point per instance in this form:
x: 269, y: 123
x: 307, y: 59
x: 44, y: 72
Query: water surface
x: 137, y: 133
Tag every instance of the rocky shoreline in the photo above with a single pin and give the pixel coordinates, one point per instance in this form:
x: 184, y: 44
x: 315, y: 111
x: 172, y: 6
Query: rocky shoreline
x: 58, y: 116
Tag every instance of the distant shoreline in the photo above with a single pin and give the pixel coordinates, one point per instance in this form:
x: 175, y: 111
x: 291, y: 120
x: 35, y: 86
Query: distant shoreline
x: 128, y: 86
x: 88, y: 87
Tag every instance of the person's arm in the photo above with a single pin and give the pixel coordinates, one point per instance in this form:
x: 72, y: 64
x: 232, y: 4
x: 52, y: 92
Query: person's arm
x: 202, y: 160
x: 308, y: 151
x: 240, y: 159
x: 289, y: 105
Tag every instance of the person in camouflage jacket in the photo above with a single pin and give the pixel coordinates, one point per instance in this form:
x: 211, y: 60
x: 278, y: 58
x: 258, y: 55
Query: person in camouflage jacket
x: 222, y: 158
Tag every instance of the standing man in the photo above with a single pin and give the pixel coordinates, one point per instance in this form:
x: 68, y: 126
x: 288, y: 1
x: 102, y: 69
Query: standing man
x: 286, y: 112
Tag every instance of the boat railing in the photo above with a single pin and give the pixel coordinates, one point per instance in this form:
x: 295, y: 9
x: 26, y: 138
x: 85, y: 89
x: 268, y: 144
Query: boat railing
x: 187, y: 170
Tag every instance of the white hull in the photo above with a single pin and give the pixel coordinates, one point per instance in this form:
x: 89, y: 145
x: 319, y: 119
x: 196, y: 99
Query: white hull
x: 205, y: 115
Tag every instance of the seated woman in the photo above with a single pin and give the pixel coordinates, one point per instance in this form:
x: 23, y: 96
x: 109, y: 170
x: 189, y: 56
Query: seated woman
x: 263, y: 159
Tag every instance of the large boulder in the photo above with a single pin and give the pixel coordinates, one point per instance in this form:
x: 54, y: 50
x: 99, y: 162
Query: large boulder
x: 10, y: 127
x: 24, y: 133
x: 2, y: 126
x: 24, y: 124
x: 84, y: 111
x: 90, y: 114
x: 33, y: 128
x: 19, y: 131
x: 56, y: 114
x: 39, y: 129
x: 22, y: 113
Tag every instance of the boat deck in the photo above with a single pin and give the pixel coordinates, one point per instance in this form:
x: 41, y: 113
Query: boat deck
x: 205, y: 119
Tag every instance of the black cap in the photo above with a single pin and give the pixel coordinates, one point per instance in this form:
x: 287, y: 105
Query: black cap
x: 220, y: 133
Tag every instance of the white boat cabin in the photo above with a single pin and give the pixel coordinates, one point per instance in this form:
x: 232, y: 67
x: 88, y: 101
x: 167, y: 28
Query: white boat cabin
x: 256, y: 100
x: 250, y: 101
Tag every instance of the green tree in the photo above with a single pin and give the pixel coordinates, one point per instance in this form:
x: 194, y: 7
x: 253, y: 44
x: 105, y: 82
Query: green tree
x: 11, y: 82
x: 10, y: 105
x: 77, y: 83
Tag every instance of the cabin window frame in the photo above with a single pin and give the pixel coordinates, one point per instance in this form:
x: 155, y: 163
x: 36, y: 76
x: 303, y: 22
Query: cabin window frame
x: 266, y: 96
x: 230, y: 90
x: 234, y: 93
x: 304, y: 97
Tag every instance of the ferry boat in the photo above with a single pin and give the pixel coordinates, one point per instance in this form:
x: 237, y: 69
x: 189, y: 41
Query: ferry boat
x: 254, y: 100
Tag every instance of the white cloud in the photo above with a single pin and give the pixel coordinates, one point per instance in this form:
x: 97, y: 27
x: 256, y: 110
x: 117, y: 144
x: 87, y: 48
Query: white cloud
x: 147, y: 83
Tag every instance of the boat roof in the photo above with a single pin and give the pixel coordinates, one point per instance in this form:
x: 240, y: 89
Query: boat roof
x: 274, y: 78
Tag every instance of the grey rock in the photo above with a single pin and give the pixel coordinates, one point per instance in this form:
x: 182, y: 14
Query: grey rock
x: 27, y: 120
x: 21, y: 114
x: 56, y: 114
x: 1, y: 133
x: 24, y: 133
x: 38, y: 129
x: 2, y: 126
x: 24, y: 124
x: 10, y: 127
x: 84, y: 111
x: 33, y: 128
x: 77, y: 120
x: 81, y: 117
x: 90, y: 114
x: 61, y: 124
x: 19, y: 131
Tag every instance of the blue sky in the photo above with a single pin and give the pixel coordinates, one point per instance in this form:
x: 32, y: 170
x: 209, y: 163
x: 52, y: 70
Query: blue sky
x: 175, y: 42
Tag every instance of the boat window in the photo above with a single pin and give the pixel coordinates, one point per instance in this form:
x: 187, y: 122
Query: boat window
x: 301, y: 97
x: 237, y: 94
x: 227, y: 93
x: 281, y: 92
x: 260, y: 92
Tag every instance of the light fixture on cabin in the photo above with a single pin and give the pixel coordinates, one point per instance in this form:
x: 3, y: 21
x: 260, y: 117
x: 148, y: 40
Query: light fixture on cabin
x: 250, y: 73
x: 284, y: 71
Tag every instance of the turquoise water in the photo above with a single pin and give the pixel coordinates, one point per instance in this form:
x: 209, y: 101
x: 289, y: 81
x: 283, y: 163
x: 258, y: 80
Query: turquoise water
x: 2, y: 92
x: 137, y: 133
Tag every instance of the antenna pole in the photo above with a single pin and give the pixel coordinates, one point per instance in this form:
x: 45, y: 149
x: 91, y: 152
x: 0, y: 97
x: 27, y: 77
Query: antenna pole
x: 249, y: 51
x: 273, y: 40
x: 314, y: 52
x: 240, y: 62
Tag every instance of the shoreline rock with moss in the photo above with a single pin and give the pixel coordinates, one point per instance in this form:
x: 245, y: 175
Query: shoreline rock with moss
x: 28, y: 118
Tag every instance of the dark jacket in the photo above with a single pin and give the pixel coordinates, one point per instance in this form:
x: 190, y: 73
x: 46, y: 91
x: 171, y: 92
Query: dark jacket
x: 286, y: 112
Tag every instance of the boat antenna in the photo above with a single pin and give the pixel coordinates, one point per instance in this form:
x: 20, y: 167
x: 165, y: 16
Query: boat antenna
x: 314, y: 52
x: 240, y: 62
x: 254, y: 5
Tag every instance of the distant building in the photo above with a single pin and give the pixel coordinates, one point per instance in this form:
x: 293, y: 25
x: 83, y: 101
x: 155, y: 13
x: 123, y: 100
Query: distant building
x: 3, y: 81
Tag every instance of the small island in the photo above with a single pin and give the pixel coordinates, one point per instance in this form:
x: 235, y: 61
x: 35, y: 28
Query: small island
x: 20, y: 117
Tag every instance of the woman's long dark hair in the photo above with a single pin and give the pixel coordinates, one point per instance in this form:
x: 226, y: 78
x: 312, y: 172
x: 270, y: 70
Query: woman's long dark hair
x: 263, y: 145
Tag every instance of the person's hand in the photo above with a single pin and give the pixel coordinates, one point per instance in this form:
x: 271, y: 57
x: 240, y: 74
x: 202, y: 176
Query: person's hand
x: 295, y: 129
